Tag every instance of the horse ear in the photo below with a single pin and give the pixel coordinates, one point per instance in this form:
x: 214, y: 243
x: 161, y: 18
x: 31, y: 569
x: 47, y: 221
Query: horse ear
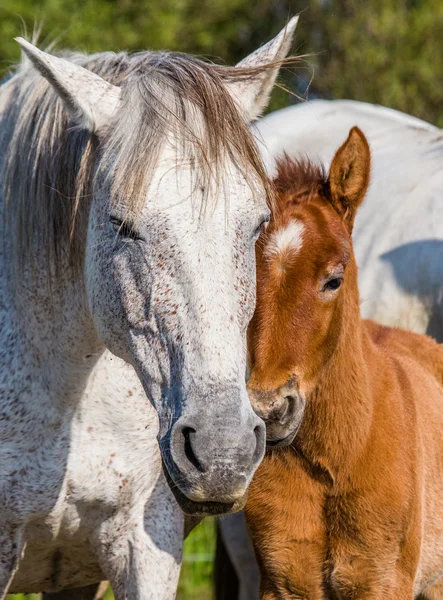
x: 349, y: 175
x: 91, y: 100
x: 253, y: 94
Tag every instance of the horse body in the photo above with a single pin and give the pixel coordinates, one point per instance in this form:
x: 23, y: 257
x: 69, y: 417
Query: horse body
x: 79, y: 454
x: 107, y: 496
x: 117, y: 236
x: 352, y: 508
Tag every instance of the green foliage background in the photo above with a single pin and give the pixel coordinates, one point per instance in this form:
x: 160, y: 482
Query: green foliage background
x: 383, y: 51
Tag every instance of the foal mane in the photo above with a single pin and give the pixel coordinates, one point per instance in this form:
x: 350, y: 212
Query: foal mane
x: 298, y: 180
x: 50, y: 162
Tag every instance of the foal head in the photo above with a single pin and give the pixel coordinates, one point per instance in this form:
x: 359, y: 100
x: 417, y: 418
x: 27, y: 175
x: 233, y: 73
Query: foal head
x: 306, y: 280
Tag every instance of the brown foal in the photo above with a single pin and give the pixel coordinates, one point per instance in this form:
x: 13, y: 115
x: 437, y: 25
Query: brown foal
x: 353, y: 506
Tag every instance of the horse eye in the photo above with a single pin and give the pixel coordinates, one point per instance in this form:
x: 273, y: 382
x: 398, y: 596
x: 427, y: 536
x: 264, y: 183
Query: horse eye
x: 263, y: 225
x: 124, y: 229
x: 332, y: 284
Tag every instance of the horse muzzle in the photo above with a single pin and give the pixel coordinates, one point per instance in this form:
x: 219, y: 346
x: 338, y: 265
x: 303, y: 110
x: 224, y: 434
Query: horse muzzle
x: 211, y: 454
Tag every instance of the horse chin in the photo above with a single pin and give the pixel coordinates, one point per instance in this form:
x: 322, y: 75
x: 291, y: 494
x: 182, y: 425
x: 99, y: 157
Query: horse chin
x: 203, y: 509
x: 208, y: 509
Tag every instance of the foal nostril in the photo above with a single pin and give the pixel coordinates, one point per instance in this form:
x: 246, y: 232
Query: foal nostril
x: 189, y: 435
x: 289, y: 408
x: 288, y: 403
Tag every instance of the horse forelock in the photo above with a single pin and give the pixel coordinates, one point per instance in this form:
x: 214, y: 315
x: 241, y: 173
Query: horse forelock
x: 50, y: 162
x: 180, y: 98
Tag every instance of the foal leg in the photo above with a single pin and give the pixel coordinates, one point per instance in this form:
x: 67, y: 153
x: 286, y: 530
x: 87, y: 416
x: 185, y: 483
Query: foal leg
x: 434, y: 592
x: 370, y: 574
x: 287, y: 529
x: 11, y: 550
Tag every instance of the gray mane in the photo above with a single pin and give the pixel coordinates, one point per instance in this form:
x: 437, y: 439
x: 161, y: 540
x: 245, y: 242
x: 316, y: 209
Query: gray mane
x: 50, y: 161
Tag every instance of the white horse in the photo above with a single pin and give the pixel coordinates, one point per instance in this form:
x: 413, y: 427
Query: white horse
x: 131, y: 196
x: 399, y: 249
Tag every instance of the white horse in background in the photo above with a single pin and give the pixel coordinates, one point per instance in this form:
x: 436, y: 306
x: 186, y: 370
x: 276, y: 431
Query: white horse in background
x: 131, y: 196
x: 399, y: 249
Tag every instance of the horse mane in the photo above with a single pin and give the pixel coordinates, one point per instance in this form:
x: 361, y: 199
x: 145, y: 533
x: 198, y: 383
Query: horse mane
x: 298, y: 180
x: 50, y: 162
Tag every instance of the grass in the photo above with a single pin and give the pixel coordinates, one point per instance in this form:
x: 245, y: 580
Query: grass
x: 196, y: 574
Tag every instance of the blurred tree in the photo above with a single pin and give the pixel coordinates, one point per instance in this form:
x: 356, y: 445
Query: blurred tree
x: 228, y: 29
x: 381, y: 51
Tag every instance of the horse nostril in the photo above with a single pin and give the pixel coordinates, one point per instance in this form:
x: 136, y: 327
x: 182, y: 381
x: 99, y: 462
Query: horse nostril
x: 188, y: 434
x: 260, y: 441
x: 258, y: 433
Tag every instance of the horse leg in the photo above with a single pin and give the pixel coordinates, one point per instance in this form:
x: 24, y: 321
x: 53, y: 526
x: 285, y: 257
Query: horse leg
x: 96, y: 591
x: 234, y: 535
x: 226, y: 582
x: 140, y: 553
x: 11, y: 550
x: 140, y: 570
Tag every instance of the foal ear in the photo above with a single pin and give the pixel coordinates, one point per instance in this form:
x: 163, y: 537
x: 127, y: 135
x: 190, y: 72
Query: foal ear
x: 349, y: 175
x: 252, y: 95
x: 91, y: 100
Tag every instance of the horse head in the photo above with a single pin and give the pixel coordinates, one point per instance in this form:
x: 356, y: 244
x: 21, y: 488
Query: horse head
x: 177, y: 199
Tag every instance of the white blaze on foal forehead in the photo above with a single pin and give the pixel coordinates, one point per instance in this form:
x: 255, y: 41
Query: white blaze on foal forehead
x: 286, y: 239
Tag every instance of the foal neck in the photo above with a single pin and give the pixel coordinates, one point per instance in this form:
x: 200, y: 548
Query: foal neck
x: 329, y: 350
x: 338, y: 417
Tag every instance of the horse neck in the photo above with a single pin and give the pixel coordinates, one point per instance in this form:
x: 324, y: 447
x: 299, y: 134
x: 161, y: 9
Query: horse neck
x: 338, y: 414
x: 53, y: 332
x: 47, y: 334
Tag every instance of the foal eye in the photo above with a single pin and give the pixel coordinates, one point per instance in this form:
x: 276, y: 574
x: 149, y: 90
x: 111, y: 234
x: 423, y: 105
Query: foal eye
x: 124, y: 229
x: 332, y: 284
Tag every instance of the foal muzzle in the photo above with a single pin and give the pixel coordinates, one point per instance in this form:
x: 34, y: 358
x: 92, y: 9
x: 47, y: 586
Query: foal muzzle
x: 281, y: 410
